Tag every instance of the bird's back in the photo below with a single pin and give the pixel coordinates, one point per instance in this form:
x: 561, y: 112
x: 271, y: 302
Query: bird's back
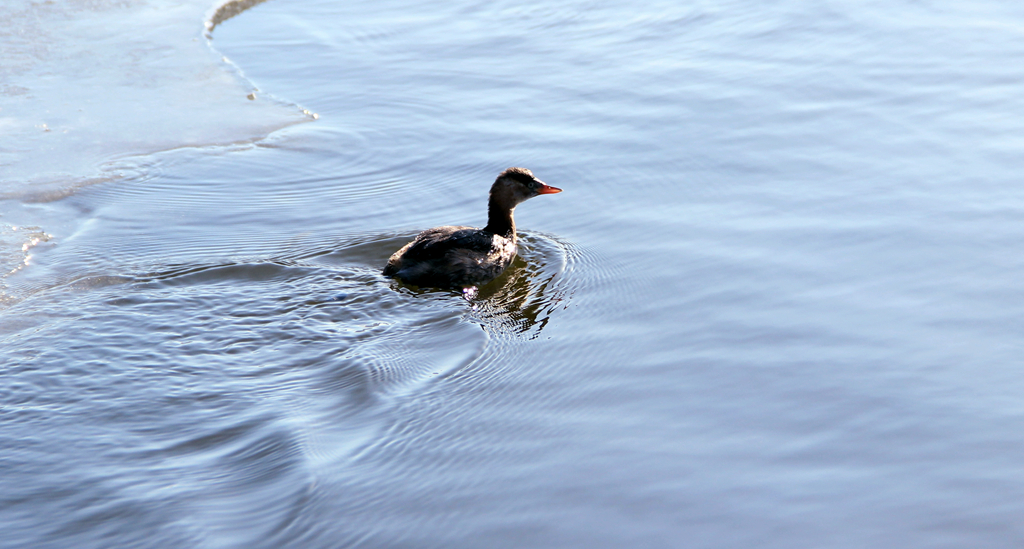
x: 452, y: 256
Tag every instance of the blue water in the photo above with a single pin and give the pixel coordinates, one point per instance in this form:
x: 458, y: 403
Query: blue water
x: 777, y: 305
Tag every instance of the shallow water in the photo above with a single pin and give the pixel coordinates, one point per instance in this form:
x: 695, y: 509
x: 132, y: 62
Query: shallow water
x: 777, y: 305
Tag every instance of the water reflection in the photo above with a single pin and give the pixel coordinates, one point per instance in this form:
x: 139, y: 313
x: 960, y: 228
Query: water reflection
x: 521, y: 301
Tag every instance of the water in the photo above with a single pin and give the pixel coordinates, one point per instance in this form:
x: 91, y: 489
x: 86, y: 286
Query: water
x: 777, y: 305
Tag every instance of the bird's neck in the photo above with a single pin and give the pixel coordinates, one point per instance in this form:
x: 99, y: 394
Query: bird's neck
x: 499, y: 220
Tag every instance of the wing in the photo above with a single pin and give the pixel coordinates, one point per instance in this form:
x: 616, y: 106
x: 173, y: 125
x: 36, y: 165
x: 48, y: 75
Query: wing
x: 437, y: 242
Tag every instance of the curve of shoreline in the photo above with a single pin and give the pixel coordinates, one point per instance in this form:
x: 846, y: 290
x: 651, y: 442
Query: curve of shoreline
x: 102, y: 83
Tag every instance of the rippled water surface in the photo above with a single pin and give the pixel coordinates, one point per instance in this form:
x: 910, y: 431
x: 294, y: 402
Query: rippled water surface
x: 778, y: 304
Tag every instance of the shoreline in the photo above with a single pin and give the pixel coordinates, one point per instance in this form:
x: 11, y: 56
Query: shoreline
x: 119, y: 83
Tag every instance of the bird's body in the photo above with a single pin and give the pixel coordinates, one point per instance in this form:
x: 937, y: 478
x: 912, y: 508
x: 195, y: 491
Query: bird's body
x: 454, y: 257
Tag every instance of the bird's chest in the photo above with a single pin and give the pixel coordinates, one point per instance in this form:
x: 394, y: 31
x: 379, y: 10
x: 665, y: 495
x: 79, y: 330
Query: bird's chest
x: 502, y: 249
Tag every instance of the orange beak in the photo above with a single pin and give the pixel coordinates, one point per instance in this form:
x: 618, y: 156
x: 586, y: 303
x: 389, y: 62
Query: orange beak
x: 548, y: 189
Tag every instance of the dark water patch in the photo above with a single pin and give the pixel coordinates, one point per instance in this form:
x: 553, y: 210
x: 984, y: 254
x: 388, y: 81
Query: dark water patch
x: 229, y: 9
